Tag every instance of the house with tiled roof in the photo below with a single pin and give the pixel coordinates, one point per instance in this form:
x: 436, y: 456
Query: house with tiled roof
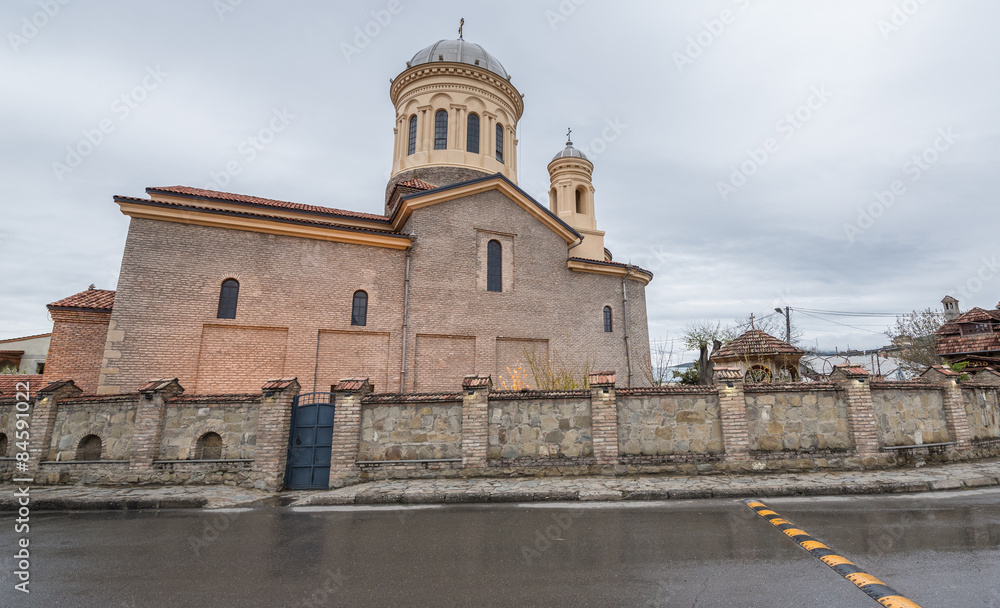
x: 972, y: 338
x: 25, y: 355
x: 80, y: 324
x: 760, y: 357
x: 461, y: 273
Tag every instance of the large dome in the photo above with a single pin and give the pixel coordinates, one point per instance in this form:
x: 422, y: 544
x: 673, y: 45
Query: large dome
x: 459, y: 51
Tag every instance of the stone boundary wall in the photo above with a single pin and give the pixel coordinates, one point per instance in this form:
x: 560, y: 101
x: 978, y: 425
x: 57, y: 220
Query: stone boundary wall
x: 848, y: 423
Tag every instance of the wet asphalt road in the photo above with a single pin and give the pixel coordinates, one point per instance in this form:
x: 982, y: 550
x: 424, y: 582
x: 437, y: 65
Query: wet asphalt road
x: 940, y: 549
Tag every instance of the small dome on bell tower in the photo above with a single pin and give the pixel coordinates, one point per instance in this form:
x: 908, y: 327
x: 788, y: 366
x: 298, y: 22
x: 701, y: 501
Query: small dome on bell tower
x: 571, y: 197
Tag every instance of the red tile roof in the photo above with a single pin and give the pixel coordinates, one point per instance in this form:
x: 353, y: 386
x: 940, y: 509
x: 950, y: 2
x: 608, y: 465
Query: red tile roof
x: 92, y: 299
x: 8, y: 384
x: 418, y: 184
x: 756, y: 342
x: 157, y: 385
x: 187, y: 191
x: 851, y: 371
x: 278, y: 384
x: 248, y: 213
x: 351, y: 384
x: 728, y: 373
x: 951, y: 341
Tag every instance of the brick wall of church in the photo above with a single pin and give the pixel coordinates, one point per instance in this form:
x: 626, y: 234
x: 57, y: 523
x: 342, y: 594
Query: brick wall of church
x: 294, y: 310
x: 546, y: 301
x: 78, y: 340
x: 293, y: 292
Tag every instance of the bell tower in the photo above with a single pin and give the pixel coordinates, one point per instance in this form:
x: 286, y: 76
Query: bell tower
x: 571, y: 197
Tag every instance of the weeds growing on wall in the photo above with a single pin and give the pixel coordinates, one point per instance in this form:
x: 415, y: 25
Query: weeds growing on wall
x: 558, y: 372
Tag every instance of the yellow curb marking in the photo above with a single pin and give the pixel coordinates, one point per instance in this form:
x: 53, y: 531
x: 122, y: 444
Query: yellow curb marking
x: 896, y: 601
x: 835, y: 560
x: 861, y: 579
x: 809, y: 545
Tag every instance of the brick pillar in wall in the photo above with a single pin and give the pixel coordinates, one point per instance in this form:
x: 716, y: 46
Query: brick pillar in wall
x: 349, y: 393
x: 958, y: 419
x: 853, y: 380
x: 475, y: 420
x: 604, y: 418
x: 273, y: 426
x: 149, y: 413
x: 43, y: 419
x: 733, y: 412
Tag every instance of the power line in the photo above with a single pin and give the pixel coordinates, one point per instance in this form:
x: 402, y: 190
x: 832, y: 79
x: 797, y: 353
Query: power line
x: 878, y: 333
x: 841, y: 313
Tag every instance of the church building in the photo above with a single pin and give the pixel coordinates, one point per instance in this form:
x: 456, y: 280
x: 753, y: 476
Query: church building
x: 462, y: 273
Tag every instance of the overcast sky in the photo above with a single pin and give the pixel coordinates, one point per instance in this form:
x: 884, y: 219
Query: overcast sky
x: 747, y: 136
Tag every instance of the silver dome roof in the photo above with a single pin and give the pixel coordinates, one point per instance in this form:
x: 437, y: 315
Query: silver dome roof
x: 459, y: 51
x: 570, y: 152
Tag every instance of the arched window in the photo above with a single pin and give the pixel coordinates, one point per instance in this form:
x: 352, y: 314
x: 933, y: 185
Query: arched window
x: 3, y: 445
x: 494, y: 266
x: 411, y: 146
x: 228, y: 296
x: 608, y: 322
x: 441, y: 130
x: 552, y: 200
x: 472, y: 140
x: 758, y: 374
x: 579, y: 200
x: 89, y: 448
x: 500, y: 142
x: 359, y: 310
x: 209, y: 447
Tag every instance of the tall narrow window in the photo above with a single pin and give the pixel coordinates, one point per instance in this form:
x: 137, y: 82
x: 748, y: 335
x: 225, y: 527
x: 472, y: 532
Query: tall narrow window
x: 411, y: 147
x: 472, y: 140
x: 579, y: 200
x: 500, y: 143
x: 494, y: 266
x: 3, y: 445
x: 359, y: 311
x: 608, y: 322
x: 228, y: 297
x: 441, y: 130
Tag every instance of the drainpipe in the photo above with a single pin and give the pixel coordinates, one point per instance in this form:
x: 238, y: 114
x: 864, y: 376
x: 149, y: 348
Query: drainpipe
x: 628, y: 354
x: 406, y: 313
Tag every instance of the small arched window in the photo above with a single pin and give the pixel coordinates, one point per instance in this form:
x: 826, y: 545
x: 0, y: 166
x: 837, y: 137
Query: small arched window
x: 209, y: 447
x: 579, y: 200
x: 472, y: 139
x: 494, y: 266
x: 228, y: 296
x: 411, y: 146
x: 758, y: 374
x: 608, y: 321
x: 89, y: 448
x: 359, y: 309
x: 3, y: 445
x: 552, y: 200
x: 500, y: 142
x: 441, y: 130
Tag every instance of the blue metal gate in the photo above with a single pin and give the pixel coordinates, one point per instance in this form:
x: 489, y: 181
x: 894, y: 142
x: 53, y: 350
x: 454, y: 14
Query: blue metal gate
x: 311, y: 442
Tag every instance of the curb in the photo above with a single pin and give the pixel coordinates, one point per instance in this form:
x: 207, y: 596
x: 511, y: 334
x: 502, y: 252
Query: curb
x: 105, y: 504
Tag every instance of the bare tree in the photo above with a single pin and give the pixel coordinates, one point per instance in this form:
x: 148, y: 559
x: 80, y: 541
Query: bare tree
x: 915, y: 333
x: 661, y: 358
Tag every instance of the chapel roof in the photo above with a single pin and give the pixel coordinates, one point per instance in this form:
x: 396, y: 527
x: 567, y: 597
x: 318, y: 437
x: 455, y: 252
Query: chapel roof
x: 755, y: 342
x: 203, y: 194
x: 459, y: 51
x: 91, y: 299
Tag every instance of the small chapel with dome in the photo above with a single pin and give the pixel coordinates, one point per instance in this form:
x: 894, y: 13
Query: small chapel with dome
x: 462, y: 273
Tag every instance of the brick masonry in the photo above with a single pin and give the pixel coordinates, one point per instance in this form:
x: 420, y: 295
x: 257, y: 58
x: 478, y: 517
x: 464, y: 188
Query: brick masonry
x: 293, y: 316
x: 77, y: 346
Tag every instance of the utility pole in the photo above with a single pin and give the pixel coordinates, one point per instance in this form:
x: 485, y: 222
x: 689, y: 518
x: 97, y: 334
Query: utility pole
x: 788, y: 322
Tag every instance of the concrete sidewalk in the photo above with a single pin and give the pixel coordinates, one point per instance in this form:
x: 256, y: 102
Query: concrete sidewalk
x: 535, y: 489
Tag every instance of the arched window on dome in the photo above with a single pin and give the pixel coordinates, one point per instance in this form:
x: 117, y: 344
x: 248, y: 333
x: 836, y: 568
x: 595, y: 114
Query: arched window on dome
x: 411, y: 146
x: 494, y: 266
x: 500, y: 142
x: 441, y: 130
x: 472, y: 139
